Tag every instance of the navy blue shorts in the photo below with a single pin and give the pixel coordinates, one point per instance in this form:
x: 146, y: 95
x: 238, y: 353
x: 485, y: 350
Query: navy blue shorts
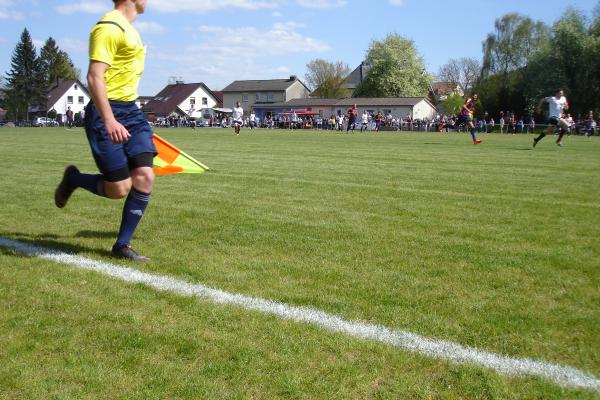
x: 116, y: 160
x: 463, y: 119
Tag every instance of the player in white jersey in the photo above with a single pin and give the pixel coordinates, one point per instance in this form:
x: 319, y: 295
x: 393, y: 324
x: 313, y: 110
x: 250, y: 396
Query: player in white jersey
x: 558, y: 104
x: 238, y: 113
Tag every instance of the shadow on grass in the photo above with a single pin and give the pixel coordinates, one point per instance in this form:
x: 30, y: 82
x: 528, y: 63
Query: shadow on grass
x: 52, y: 242
x: 96, y: 234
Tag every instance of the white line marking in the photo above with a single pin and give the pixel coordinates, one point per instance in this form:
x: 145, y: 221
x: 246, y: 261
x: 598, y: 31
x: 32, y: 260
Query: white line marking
x: 440, y: 349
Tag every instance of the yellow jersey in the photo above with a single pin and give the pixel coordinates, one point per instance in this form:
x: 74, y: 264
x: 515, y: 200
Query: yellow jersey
x: 114, y: 41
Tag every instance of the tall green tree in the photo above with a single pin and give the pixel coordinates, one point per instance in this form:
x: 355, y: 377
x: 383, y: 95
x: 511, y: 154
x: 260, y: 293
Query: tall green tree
x: 56, y: 64
x: 396, y: 70
x: 25, y: 82
x: 327, y: 78
x: 514, y: 40
x: 570, y: 61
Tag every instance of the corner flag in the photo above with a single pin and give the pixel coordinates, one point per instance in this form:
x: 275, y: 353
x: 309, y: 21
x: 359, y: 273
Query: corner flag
x: 171, y: 160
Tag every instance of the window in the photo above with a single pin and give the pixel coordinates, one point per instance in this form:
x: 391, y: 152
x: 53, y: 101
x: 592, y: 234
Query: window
x: 80, y: 100
x: 270, y: 97
x: 192, y: 101
x: 75, y: 87
x: 257, y: 97
x: 205, y: 101
x: 69, y: 99
x: 245, y: 98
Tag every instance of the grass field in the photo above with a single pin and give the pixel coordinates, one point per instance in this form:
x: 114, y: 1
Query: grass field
x: 494, y: 246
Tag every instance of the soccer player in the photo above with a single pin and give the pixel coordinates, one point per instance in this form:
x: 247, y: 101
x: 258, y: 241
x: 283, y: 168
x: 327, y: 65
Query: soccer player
x: 557, y: 104
x: 118, y: 132
x: 365, y: 121
x: 466, y: 116
x: 238, y: 113
x: 352, y: 115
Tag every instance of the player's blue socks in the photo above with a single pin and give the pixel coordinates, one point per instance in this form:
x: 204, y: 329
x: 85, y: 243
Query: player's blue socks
x: 133, y: 211
x: 89, y: 182
x: 473, y: 134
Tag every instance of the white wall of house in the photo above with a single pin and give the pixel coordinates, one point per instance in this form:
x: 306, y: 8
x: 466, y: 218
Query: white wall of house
x: 424, y: 110
x: 296, y: 91
x: 200, y: 99
x: 76, y: 98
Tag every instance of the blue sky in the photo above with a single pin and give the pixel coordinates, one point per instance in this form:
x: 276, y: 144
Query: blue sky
x: 219, y: 41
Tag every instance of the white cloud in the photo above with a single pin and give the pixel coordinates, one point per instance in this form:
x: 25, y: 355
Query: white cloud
x: 223, y: 54
x: 85, y: 6
x: 149, y: 28
x: 277, y: 14
x: 38, y: 43
x: 73, y: 46
x: 322, y: 3
x: 210, y: 5
x: 7, y: 11
x: 396, y: 3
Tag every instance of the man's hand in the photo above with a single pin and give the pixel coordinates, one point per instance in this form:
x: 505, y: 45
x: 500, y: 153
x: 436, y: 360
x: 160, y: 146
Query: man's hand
x: 116, y: 132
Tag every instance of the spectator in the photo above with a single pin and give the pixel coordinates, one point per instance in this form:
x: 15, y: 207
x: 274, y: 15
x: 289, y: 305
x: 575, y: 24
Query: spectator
x: 590, y: 125
x: 531, y: 125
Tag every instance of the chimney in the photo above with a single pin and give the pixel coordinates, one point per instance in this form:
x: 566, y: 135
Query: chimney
x: 293, y: 78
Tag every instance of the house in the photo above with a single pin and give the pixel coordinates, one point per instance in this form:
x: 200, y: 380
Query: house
x: 143, y: 100
x: 415, y: 107
x: 356, y: 77
x: 64, y: 94
x: 259, y: 92
x: 181, y: 99
x: 2, y: 114
x: 441, y: 90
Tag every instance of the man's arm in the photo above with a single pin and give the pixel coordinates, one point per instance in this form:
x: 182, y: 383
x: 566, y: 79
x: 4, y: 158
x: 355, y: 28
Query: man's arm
x: 539, y: 106
x: 97, y: 86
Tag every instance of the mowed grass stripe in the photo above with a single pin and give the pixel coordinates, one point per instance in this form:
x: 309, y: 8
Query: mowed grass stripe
x: 562, y: 375
x: 512, y: 277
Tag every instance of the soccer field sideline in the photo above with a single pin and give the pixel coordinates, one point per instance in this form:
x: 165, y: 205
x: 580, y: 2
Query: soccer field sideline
x: 562, y: 375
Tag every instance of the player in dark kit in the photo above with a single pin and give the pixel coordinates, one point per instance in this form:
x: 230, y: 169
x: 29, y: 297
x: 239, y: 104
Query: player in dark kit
x: 466, y: 116
x: 352, y: 115
x: 118, y: 132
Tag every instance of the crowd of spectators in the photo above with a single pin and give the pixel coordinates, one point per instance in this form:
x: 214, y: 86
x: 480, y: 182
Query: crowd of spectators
x: 504, y: 123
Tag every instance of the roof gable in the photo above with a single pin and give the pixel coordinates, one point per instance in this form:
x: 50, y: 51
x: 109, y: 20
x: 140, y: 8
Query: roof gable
x: 270, y: 85
x: 168, y: 99
x: 59, y: 89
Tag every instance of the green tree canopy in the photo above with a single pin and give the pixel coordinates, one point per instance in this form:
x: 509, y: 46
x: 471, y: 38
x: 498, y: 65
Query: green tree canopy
x: 55, y: 63
x: 25, y: 83
x: 327, y: 78
x: 514, y: 40
x: 396, y: 70
x: 569, y: 60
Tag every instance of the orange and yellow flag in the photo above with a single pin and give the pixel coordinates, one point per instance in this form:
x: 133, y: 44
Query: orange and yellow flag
x: 171, y: 160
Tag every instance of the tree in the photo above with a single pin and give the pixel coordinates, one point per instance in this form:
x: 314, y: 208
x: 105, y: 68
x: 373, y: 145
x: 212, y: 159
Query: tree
x: 453, y: 104
x: 463, y: 70
x: 56, y: 63
x: 396, y: 70
x: 25, y: 83
x: 570, y: 61
x: 327, y: 78
x: 516, y: 37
